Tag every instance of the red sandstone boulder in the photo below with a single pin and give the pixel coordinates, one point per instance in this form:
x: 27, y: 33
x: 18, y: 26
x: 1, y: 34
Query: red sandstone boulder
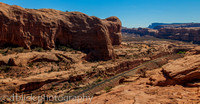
x: 47, y: 27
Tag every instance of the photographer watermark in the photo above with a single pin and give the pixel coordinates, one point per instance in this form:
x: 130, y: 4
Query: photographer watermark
x: 43, y: 98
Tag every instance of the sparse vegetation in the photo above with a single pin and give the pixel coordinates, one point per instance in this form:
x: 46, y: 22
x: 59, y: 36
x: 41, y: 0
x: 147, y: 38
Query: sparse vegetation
x: 3, y: 52
x: 61, y: 48
x: 5, y: 68
x: 38, y: 49
x: 30, y: 65
x: 64, y: 48
x: 11, y: 50
x: 18, y: 49
x: 92, y: 72
x: 94, y: 67
x: 99, y: 79
x: 181, y: 52
x: 108, y: 89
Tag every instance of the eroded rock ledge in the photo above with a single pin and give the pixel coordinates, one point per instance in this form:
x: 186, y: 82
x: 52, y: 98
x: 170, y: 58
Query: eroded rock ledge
x: 47, y: 28
x: 184, y: 71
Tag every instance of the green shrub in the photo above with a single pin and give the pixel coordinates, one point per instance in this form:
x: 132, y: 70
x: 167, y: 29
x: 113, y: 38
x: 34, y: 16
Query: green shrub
x: 107, y: 89
x: 4, y: 52
x: 18, y: 49
x: 62, y: 48
x: 38, y: 49
x: 181, y: 52
x: 98, y: 80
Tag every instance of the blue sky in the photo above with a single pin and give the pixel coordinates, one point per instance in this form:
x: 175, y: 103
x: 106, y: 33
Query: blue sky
x: 133, y: 13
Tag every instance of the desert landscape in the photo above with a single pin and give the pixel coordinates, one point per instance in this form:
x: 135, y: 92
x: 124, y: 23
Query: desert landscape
x: 51, y: 52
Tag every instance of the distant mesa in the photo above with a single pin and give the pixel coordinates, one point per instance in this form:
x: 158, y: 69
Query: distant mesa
x: 47, y: 28
x: 172, y: 25
x: 189, y: 32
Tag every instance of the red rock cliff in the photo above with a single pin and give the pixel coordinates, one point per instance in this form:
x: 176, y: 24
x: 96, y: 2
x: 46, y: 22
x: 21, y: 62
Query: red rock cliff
x: 47, y: 27
x: 184, y: 34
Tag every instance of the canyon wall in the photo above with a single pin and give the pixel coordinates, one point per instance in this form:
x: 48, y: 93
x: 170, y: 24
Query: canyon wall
x: 184, y: 34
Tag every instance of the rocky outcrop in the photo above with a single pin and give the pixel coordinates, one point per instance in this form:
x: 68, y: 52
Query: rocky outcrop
x: 114, y: 28
x: 182, y: 71
x: 47, y: 28
x: 194, y: 51
x: 25, y: 59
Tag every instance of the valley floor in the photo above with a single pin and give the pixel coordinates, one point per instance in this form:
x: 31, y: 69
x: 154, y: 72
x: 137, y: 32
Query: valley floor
x: 64, y: 70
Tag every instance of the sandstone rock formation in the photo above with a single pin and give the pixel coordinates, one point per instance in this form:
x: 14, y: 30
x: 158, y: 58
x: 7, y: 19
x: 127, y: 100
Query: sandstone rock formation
x: 182, y: 71
x: 136, y: 90
x: 194, y: 51
x: 47, y: 28
x: 31, y: 57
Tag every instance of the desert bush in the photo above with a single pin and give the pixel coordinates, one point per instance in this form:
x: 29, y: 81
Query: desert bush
x: 61, y: 48
x: 4, y: 52
x: 38, y: 49
x: 18, y: 49
x: 99, y: 79
x: 181, y: 52
x: 107, y: 89
x: 64, y: 48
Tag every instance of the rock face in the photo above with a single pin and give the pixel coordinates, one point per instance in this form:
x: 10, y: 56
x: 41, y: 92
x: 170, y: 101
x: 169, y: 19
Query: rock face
x: 47, y: 28
x: 184, y: 34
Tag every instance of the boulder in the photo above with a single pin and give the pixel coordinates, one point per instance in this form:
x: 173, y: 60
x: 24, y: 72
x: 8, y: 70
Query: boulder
x: 12, y: 62
x: 47, y: 28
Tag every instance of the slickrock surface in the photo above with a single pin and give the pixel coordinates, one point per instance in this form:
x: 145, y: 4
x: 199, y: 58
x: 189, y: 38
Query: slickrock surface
x: 184, y: 87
